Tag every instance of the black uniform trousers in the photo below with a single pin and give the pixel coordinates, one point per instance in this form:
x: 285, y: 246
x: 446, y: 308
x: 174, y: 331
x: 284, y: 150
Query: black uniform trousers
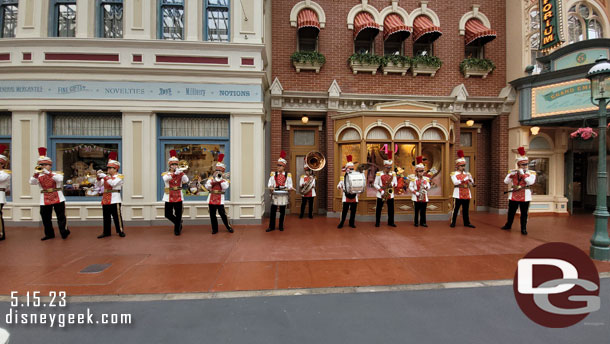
x: 173, y: 212
x: 420, y: 212
x: 379, y: 208
x: 114, y: 211
x: 223, y: 215
x: 351, y: 206
x: 465, y: 204
x: 46, y: 212
x: 2, y: 233
x: 272, y: 215
x: 304, y: 202
x: 512, y: 210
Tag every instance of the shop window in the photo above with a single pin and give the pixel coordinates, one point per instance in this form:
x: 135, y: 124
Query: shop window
x: 541, y: 167
x: 217, y: 20
x: 198, y: 140
x: 405, y: 134
x: 584, y: 22
x: 171, y: 19
x: 111, y: 18
x: 350, y: 134
x: 79, y: 146
x: 433, y: 154
x: 63, y: 18
x: 433, y: 134
x: 378, y: 133
x: 8, y: 18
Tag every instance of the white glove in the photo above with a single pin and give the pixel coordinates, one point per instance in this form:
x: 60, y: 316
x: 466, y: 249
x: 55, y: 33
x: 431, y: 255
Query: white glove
x: 521, y: 171
x: 417, y: 194
x: 45, y: 171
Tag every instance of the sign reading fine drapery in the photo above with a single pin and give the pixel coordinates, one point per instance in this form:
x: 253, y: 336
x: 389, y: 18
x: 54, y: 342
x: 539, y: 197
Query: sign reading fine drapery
x: 551, y: 24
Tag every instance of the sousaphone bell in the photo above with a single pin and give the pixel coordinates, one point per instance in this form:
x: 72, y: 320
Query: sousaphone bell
x: 315, y: 161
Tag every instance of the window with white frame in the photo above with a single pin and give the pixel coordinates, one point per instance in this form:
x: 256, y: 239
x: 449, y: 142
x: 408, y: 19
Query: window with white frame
x: 171, y: 19
x: 8, y: 16
x: 217, y: 20
x: 584, y: 23
x: 111, y: 18
x: 5, y: 139
x: 63, y: 18
x: 198, y: 140
x: 79, y: 144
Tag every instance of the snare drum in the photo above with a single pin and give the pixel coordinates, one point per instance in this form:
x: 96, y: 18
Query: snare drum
x: 355, y: 183
x: 280, y: 197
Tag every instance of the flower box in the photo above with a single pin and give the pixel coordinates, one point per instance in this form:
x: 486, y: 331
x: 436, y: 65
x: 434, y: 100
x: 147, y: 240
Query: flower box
x: 364, y: 67
x: 392, y: 68
x: 424, y: 69
x: 315, y: 66
x: 476, y: 71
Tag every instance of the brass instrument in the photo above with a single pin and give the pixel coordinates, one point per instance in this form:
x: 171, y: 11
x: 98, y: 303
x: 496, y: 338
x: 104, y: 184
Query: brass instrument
x: 38, y: 169
x: 387, y: 189
x: 315, y: 161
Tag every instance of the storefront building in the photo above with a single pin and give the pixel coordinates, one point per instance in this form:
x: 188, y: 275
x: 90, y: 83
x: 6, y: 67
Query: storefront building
x: 554, y: 100
x: 86, y: 78
x: 390, y: 80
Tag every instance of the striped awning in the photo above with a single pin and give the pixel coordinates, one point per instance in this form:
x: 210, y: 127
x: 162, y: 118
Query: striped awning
x: 393, y: 24
x: 308, y: 18
x: 424, y: 30
x: 477, y: 33
x: 364, y: 21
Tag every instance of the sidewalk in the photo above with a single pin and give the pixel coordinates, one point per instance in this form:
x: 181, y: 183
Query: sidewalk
x: 308, y: 254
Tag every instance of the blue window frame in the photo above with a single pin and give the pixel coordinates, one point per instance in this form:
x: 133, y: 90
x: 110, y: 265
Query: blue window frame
x: 8, y: 18
x: 79, y: 144
x: 5, y: 139
x: 170, y: 19
x: 216, y: 20
x: 198, y: 139
x: 109, y: 23
x: 62, y: 19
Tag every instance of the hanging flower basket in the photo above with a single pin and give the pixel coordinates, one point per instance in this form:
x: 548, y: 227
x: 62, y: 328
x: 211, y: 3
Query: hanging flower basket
x: 584, y: 134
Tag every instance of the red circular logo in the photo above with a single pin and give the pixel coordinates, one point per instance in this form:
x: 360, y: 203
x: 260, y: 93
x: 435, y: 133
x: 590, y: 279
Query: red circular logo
x: 556, y: 285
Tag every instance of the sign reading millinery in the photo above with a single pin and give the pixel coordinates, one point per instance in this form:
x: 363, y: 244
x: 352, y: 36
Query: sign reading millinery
x: 562, y: 98
x: 551, y: 24
x: 123, y: 90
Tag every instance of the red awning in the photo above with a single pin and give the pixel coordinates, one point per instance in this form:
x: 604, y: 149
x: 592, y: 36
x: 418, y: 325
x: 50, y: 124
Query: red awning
x: 308, y: 18
x: 477, y: 33
x: 424, y: 30
x: 363, y: 21
x: 393, y: 24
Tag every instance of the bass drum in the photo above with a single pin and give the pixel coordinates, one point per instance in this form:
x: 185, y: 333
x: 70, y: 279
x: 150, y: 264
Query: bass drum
x: 355, y: 183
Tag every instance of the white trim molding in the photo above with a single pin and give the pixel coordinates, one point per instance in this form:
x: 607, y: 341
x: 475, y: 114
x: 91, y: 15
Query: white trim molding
x: 423, y: 10
x: 363, y: 7
x: 473, y: 14
x: 394, y: 8
x: 307, y: 4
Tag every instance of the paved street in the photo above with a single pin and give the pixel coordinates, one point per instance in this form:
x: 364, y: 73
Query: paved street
x: 462, y: 315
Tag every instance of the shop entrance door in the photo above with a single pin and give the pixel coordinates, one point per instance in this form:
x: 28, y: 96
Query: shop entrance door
x: 303, y: 139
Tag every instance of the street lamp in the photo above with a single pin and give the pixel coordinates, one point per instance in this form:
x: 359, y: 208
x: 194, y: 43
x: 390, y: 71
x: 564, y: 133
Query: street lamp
x: 599, y: 75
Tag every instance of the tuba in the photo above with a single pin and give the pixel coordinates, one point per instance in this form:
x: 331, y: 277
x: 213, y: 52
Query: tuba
x: 315, y: 161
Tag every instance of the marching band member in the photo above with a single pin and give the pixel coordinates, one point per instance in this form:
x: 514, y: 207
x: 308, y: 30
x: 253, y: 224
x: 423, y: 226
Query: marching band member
x: 350, y: 201
x: 307, y: 185
x: 5, y: 184
x: 385, y: 181
x: 419, y: 186
x: 520, y: 194
x: 111, y: 199
x: 173, y: 196
x: 216, y: 200
x: 51, y: 196
x: 279, y: 181
x: 461, y: 191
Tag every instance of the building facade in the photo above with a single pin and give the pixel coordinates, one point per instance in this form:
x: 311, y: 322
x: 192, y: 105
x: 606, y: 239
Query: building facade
x: 85, y: 78
x: 554, y: 97
x: 412, y: 77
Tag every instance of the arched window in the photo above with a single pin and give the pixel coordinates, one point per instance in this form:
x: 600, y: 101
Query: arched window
x: 378, y: 133
x: 308, y: 28
x: 365, y: 31
x: 424, y: 35
x: 583, y: 23
x: 350, y: 135
x: 539, y: 143
x: 433, y: 134
x: 395, y: 31
x: 405, y: 134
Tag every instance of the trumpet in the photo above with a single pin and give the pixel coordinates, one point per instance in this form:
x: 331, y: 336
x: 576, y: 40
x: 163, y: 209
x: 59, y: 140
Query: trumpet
x: 38, y: 169
x: 183, y: 165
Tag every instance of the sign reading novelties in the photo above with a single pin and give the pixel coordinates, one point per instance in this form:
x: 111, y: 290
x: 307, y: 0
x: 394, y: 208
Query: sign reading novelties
x: 551, y: 24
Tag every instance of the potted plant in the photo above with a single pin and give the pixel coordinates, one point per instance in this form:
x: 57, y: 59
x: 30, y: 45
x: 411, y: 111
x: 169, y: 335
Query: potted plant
x: 584, y: 134
x: 395, y: 64
x: 365, y: 62
x: 472, y: 66
x: 307, y: 60
x: 425, y: 64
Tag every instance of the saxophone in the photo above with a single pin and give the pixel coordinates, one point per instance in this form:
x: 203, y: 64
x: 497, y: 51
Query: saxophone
x: 387, y: 189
